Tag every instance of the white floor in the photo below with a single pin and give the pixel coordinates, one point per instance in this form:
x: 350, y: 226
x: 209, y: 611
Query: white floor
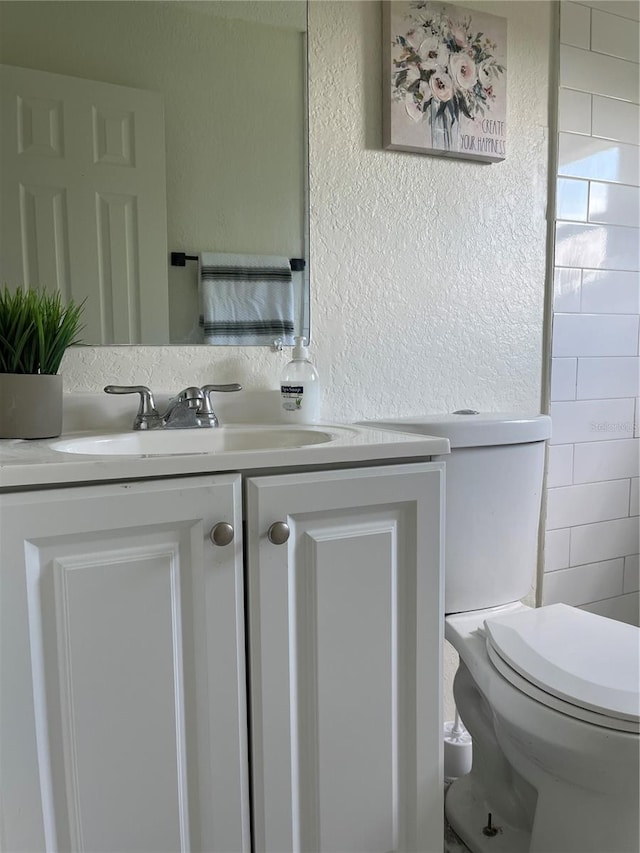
x: 452, y: 843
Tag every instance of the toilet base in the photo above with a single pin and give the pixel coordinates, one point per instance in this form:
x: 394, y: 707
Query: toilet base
x: 467, y: 808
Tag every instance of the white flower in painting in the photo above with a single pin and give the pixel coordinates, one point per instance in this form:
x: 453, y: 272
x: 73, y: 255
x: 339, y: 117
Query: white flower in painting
x: 463, y: 70
x: 413, y: 74
x: 416, y: 39
x: 441, y: 85
x: 428, y: 48
x: 427, y: 51
x: 443, y: 56
x: 459, y: 34
x: 429, y: 16
x: 414, y: 106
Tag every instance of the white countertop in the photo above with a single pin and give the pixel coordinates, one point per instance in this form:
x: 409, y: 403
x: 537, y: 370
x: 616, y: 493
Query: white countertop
x: 25, y: 464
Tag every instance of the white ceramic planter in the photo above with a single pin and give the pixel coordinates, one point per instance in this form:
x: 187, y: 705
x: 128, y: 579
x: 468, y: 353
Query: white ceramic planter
x: 30, y: 405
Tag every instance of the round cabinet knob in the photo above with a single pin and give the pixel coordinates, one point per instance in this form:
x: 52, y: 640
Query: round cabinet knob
x: 221, y: 533
x: 278, y: 533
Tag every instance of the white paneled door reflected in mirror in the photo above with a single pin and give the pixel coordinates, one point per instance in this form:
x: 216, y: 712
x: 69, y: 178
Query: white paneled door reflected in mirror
x: 133, y: 130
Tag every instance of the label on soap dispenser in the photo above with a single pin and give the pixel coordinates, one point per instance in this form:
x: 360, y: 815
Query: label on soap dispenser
x: 292, y: 396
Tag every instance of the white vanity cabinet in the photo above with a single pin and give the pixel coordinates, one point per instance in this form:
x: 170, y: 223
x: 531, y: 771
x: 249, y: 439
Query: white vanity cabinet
x: 123, y: 676
x: 345, y: 647
x: 126, y: 724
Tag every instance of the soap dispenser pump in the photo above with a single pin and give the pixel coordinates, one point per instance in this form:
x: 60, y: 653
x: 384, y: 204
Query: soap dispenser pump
x: 300, y: 387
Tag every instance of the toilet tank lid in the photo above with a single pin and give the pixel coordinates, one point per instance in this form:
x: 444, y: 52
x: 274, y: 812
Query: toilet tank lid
x: 466, y: 428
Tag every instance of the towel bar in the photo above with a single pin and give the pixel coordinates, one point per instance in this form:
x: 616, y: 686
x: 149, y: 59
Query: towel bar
x: 179, y: 259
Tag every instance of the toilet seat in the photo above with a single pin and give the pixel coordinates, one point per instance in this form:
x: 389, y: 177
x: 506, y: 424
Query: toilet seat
x: 561, y: 656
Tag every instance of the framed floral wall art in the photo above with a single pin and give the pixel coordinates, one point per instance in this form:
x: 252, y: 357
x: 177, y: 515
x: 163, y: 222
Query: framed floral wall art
x: 445, y: 80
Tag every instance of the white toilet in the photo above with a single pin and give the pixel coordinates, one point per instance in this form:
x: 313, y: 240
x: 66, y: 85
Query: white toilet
x: 551, y: 696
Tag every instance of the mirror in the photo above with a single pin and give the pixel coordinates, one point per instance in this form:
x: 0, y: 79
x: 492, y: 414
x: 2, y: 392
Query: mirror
x: 229, y: 82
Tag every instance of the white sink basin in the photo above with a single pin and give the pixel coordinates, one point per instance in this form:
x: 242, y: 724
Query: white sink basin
x: 185, y: 441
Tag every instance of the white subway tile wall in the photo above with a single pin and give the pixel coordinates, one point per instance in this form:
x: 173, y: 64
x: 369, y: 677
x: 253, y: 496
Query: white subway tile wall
x: 602, y: 540
x: 608, y: 292
x: 586, y: 583
x: 616, y: 120
x: 597, y: 73
x: 557, y: 543
x: 623, y: 8
x: 575, y: 26
x: 595, y: 462
x: 631, y: 574
x: 610, y: 247
x: 602, y: 159
x: 612, y: 35
x: 612, y: 204
x: 592, y: 420
x: 564, y: 378
x: 567, y: 286
x: 595, y: 335
x: 572, y: 199
x: 570, y: 506
x: 560, y: 465
x: 607, y: 377
x: 634, y: 498
x: 574, y: 110
x: 592, y: 539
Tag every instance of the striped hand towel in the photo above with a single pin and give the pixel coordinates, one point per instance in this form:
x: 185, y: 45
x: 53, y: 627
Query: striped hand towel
x: 246, y: 299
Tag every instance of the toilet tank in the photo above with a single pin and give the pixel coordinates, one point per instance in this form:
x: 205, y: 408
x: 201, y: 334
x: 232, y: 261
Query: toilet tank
x: 493, y: 492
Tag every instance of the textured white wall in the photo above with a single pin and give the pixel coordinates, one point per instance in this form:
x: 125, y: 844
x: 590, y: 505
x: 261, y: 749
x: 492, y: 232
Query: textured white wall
x: 428, y: 275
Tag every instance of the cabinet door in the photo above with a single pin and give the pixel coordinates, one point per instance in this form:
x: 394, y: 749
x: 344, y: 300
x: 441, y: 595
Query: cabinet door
x: 345, y: 626
x: 122, y: 664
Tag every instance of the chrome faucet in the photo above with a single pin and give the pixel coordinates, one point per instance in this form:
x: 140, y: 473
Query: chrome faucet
x: 190, y: 409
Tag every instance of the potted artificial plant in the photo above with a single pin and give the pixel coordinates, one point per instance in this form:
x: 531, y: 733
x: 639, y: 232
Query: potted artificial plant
x: 35, y: 331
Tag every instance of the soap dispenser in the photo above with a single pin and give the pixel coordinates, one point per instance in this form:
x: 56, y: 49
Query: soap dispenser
x: 300, y: 387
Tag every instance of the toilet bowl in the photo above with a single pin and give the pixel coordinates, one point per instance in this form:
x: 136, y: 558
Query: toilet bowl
x: 556, y: 749
x: 550, y: 695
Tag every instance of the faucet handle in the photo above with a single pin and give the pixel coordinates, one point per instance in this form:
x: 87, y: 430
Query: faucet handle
x: 147, y: 414
x: 206, y: 410
x: 232, y: 386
